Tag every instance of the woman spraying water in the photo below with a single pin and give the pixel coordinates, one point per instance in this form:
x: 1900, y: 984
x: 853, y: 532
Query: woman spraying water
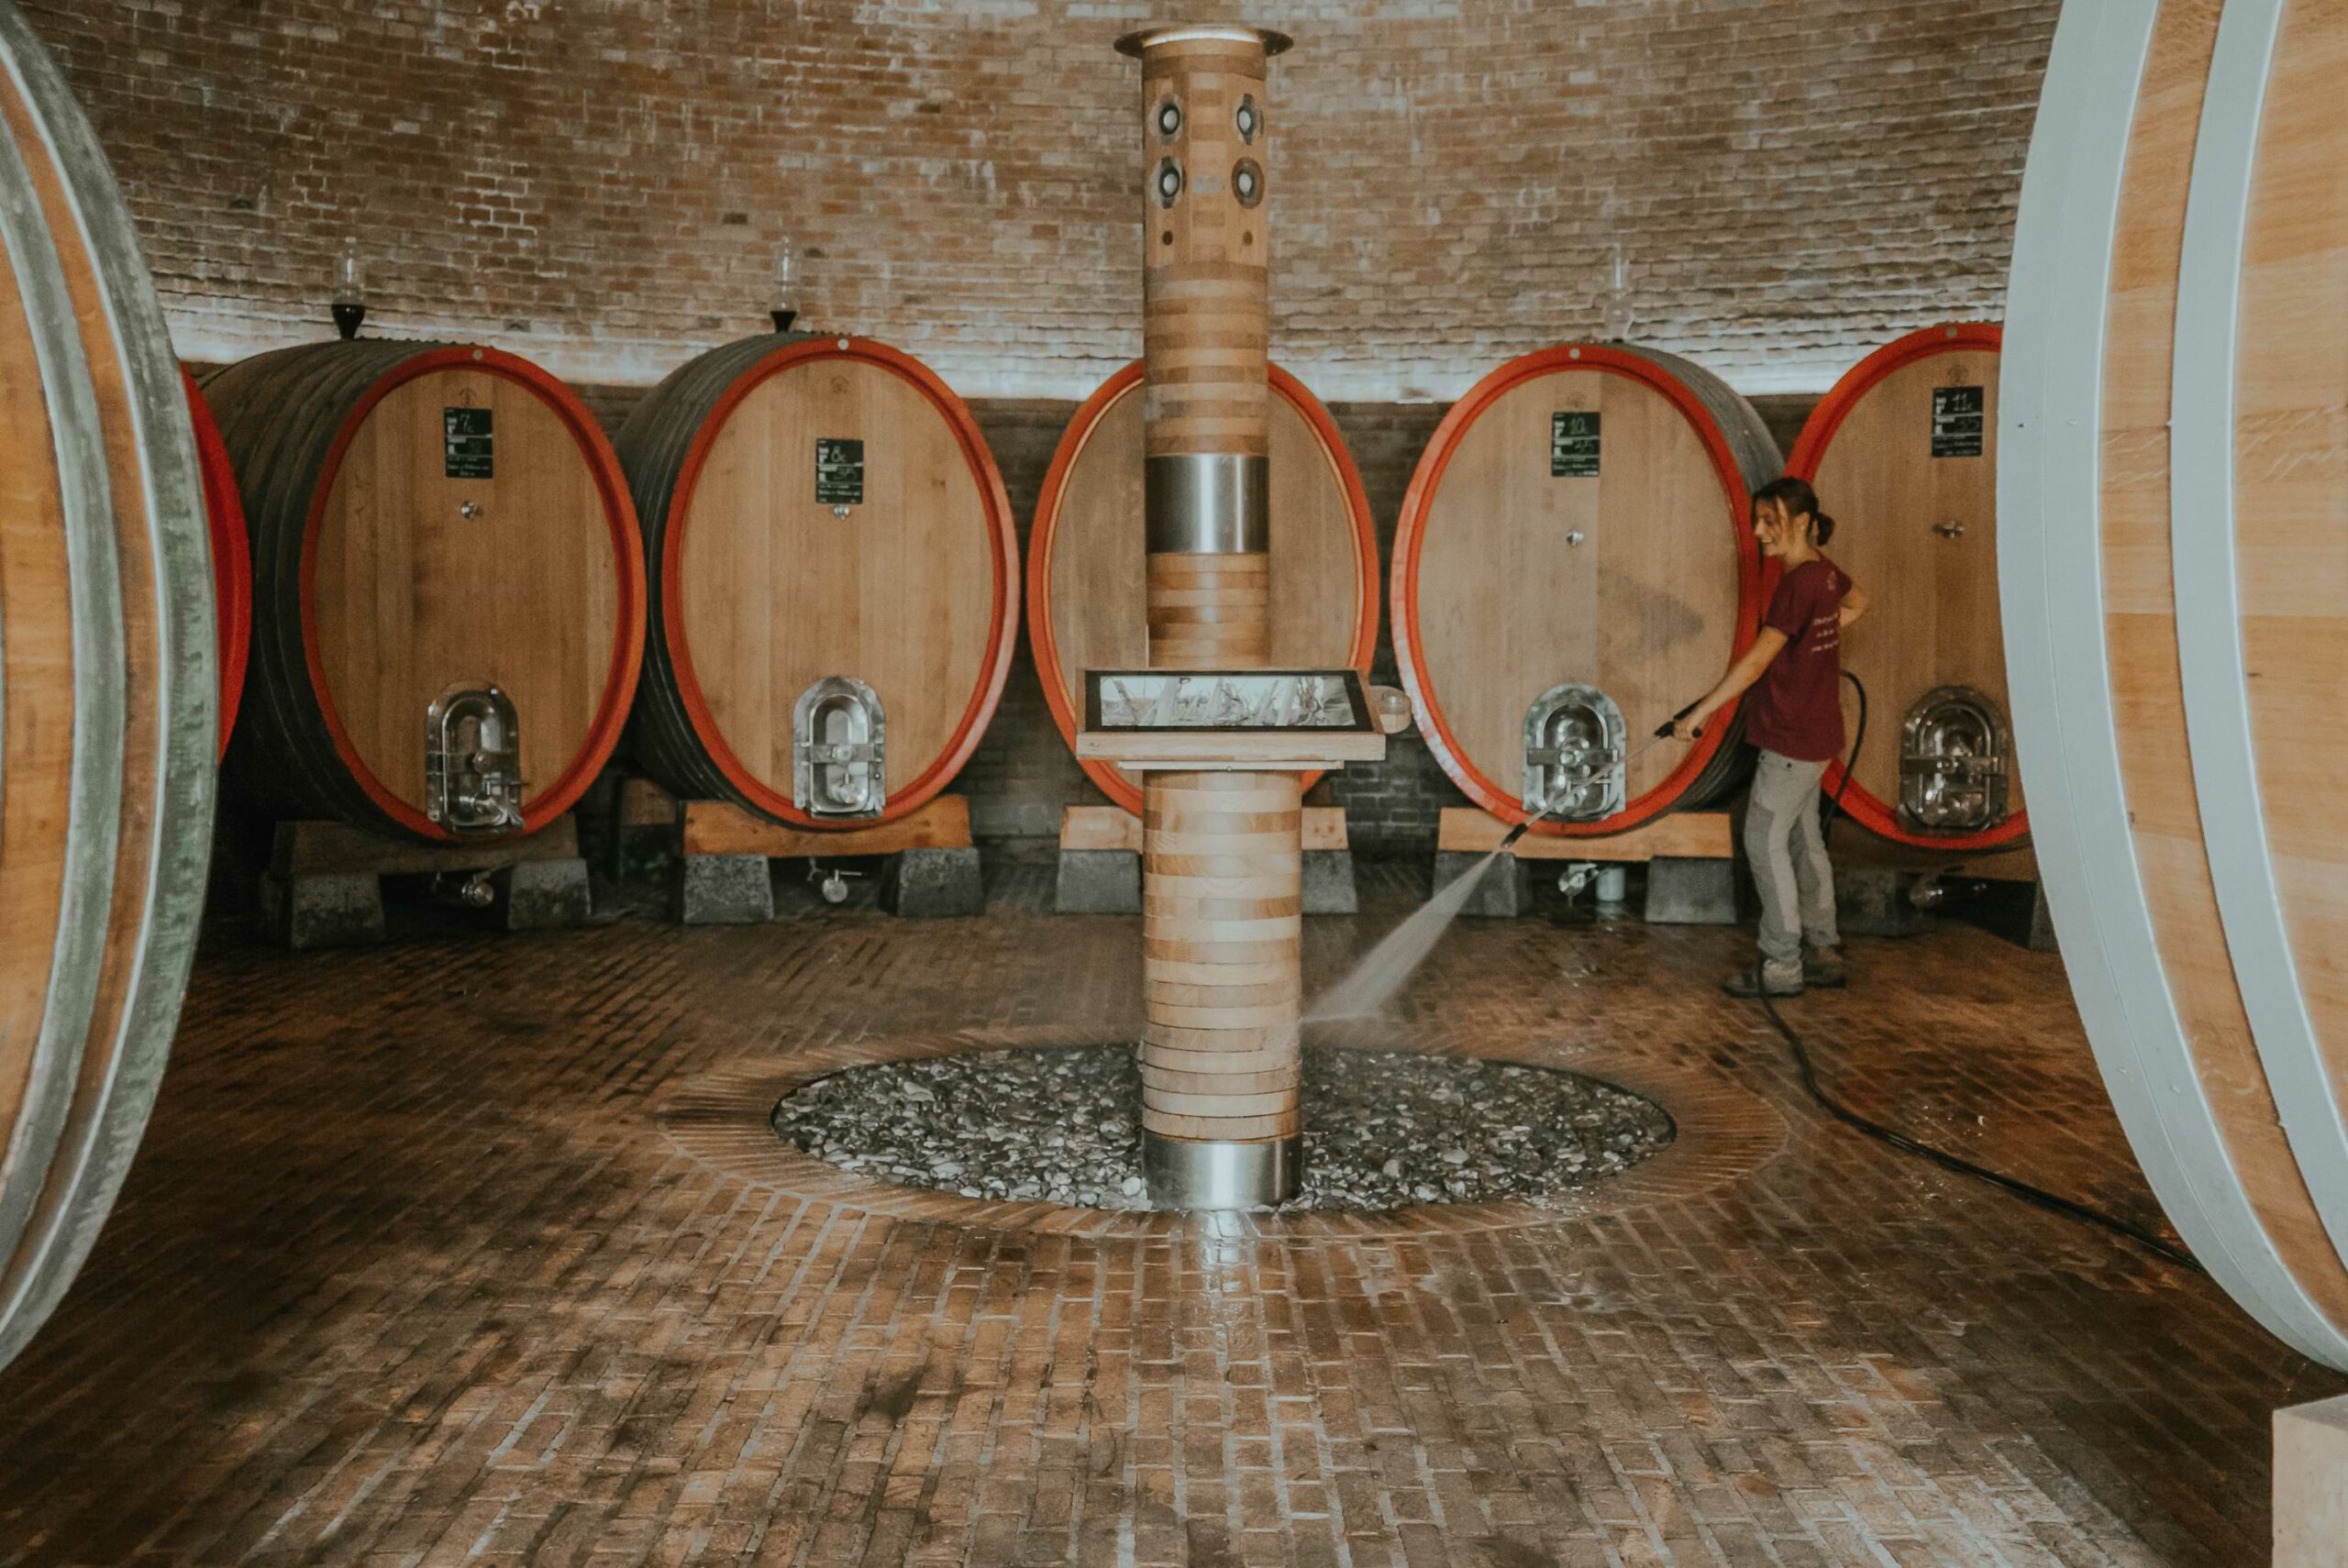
x: 1794, y: 668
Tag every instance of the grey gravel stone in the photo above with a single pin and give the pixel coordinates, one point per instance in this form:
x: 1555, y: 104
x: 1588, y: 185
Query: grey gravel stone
x: 1383, y: 1129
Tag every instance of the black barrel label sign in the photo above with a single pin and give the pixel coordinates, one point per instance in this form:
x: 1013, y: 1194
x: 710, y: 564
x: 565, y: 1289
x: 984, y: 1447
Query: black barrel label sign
x: 839, y: 472
x: 1958, y: 415
x: 1573, y: 444
x: 469, y: 451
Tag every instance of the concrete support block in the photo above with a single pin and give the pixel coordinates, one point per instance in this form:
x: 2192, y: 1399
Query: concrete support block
x: 1691, y: 892
x: 2042, y: 922
x: 2015, y: 911
x: 2311, y: 1486
x: 933, y: 884
x: 340, y: 910
x: 724, y: 890
x: 1098, y: 881
x: 1505, y: 892
x: 1872, y: 900
x: 542, y: 895
x: 1329, y: 883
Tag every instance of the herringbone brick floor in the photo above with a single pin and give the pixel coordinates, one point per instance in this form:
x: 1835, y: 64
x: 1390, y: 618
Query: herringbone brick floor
x: 412, y: 1270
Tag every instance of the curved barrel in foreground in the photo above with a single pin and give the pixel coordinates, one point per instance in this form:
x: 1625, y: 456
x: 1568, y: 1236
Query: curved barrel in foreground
x: 2175, y: 572
x: 1085, y: 558
x: 448, y: 592
x: 1574, y: 563
x: 106, y: 737
x: 835, y: 580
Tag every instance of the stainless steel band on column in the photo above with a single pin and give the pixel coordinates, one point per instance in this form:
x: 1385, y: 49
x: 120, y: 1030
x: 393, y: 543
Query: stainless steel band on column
x: 1208, y: 503
x: 1186, y: 1174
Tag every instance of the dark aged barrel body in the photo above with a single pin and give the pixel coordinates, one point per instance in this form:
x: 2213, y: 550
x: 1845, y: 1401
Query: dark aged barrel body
x: 106, y: 737
x: 1904, y: 454
x: 232, y: 561
x: 829, y: 543
x: 1581, y: 516
x: 435, y: 530
x: 2174, y: 567
x: 1085, y: 559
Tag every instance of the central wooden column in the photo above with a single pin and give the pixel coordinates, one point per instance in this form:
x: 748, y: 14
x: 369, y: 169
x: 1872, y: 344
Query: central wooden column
x: 1223, y: 854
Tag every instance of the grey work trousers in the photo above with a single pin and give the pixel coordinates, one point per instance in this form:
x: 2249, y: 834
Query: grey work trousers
x: 1787, y: 851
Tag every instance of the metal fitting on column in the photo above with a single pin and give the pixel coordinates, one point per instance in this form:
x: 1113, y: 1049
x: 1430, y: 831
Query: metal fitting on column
x: 1186, y: 1174
x: 1208, y: 503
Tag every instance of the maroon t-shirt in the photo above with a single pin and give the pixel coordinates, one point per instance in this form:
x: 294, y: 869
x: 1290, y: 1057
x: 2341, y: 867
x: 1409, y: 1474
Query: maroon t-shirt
x: 1796, y: 708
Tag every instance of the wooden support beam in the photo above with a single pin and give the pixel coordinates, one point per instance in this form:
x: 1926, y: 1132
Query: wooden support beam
x: 1210, y: 751
x: 1112, y: 827
x: 337, y: 849
x: 1683, y: 836
x: 715, y: 827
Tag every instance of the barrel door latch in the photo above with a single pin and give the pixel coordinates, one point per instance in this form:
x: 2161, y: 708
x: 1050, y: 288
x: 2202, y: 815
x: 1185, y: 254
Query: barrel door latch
x: 839, y: 750
x: 472, y: 760
x: 1574, y: 754
x: 1955, y: 758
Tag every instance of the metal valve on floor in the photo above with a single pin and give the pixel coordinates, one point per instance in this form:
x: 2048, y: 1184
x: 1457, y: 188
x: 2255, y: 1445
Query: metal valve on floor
x: 831, y: 885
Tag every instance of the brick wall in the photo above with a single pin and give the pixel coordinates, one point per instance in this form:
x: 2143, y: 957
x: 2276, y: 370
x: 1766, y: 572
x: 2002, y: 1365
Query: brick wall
x: 599, y: 184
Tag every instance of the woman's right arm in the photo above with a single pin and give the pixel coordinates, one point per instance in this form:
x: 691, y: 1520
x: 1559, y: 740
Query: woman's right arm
x: 1740, y: 676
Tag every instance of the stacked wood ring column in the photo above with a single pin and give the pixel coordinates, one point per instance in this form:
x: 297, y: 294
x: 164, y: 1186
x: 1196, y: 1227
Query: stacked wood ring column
x: 1223, y: 853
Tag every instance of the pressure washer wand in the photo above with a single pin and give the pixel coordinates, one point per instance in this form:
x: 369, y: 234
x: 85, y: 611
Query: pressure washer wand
x: 1662, y: 734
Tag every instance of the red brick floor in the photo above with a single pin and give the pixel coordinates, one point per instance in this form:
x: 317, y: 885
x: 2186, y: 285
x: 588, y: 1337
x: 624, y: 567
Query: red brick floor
x: 413, y: 1269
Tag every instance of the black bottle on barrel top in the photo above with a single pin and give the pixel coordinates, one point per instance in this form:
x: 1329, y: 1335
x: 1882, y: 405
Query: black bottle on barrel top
x: 347, y: 318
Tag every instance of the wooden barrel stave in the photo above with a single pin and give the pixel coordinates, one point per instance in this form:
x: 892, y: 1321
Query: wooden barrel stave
x: 138, y: 693
x: 677, y: 733
x: 2168, y: 788
x: 291, y: 421
x: 1717, y: 449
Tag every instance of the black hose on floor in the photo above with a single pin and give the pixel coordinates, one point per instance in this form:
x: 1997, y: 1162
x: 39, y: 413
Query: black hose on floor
x: 2038, y: 1196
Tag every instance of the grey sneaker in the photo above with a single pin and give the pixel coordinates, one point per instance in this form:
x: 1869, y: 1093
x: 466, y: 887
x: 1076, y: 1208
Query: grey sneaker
x: 1822, y: 967
x: 1778, y: 979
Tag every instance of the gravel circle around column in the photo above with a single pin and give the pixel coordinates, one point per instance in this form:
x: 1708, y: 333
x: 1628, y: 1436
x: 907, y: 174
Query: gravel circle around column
x: 1383, y: 1129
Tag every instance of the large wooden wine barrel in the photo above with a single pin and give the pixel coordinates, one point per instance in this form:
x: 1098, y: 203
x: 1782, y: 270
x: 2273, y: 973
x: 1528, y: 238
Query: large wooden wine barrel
x: 1904, y: 455
x: 107, y: 648
x: 1581, y: 516
x: 2173, y: 498
x: 232, y: 561
x: 817, y: 510
x: 430, y: 524
x: 1086, y: 554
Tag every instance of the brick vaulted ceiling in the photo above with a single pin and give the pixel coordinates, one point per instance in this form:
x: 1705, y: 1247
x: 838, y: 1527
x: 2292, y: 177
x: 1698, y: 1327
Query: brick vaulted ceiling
x: 599, y: 184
